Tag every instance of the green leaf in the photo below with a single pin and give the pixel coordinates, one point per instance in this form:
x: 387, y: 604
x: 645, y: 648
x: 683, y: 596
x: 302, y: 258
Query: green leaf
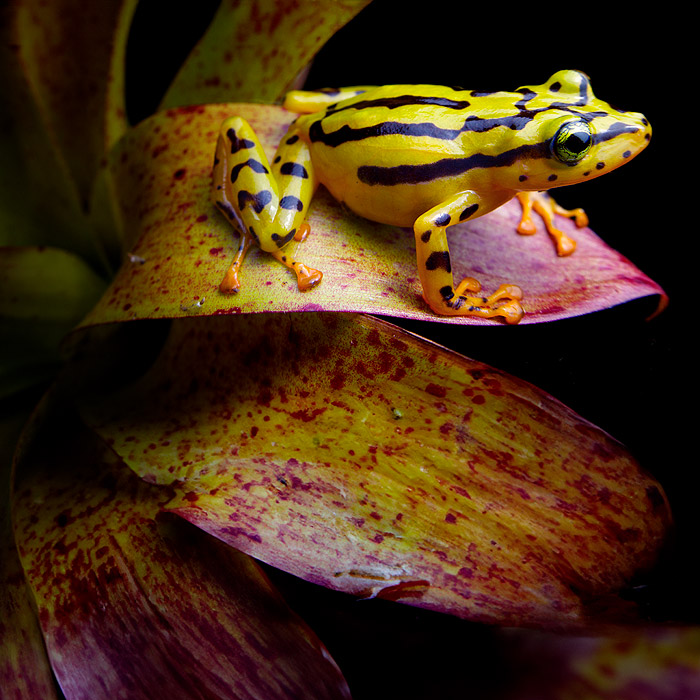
x: 360, y: 457
x: 61, y: 72
x: 44, y: 293
x: 77, y: 86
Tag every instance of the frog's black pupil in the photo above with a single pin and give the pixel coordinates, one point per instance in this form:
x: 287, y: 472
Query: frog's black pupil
x: 577, y: 142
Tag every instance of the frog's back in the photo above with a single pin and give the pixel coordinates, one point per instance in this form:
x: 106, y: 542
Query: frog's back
x: 392, y: 152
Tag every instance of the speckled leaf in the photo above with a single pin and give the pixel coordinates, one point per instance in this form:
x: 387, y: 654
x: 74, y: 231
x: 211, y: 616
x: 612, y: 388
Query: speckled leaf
x: 254, y: 50
x: 24, y: 666
x: 643, y: 664
x: 44, y: 292
x: 135, y: 606
x: 180, y: 245
x: 361, y: 457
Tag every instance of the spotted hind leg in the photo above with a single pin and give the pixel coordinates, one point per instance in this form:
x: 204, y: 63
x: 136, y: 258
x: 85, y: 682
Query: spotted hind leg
x: 266, y: 204
x: 435, y: 268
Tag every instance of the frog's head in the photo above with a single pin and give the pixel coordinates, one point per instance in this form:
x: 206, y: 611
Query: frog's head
x: 578, y: 136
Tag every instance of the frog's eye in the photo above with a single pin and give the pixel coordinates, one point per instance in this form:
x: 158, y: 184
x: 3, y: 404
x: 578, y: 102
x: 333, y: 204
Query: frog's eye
x: 573, y: 140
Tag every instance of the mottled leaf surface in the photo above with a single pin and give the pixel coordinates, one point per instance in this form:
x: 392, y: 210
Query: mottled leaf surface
x: 138, y: 607
x: 77, y: 86
x: 179, y: 245
x: 24, y: 667
x: 254, y: 51
x: 358, y: 456
x: 658, y: 663
x: 44, y: 292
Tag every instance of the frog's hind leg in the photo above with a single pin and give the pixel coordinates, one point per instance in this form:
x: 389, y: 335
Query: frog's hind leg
x: 435, y: 268
x: 242, y: 189
x: 293, y: 171
x: 266, y: 204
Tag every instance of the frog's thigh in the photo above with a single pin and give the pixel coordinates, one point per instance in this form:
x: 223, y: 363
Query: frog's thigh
x: 293, y: 173
x: 435, y: 266
x: 266, y: 204
x: 242, y: 189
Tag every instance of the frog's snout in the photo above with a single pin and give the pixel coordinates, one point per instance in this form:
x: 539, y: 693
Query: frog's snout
x: 644, y: 125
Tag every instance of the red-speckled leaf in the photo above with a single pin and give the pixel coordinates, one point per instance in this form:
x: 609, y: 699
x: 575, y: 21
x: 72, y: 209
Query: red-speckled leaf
x: 180, y: 245
x: 363, y: 458
x: 643, y: 664
x: 255, y: 50
x: 24, y: 666
x: 132, y: 606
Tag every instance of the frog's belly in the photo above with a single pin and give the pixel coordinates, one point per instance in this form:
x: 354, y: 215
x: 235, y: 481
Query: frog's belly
x: 397, y: 205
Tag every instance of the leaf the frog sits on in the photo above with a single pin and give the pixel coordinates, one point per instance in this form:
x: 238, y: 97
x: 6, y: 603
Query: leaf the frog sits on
x: 423, y: 156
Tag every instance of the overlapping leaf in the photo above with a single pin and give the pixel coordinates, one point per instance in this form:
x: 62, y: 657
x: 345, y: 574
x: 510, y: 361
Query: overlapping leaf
x: 77, y: 86
x: 416, y: 490
x: 134, y: 607
x: 62, y: 77
x: 24, y: 666
x: 357, y: 456
x: 255, y: 51
x: 180, y: 246
x: 61, y: 72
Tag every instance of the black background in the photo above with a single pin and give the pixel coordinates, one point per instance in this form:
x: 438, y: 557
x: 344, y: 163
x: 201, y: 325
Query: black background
x: 635, y: 379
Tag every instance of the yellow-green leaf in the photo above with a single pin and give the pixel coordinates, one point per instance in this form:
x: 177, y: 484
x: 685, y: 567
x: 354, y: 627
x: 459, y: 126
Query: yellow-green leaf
x: 648, y: 663
x: 78, y: 85
x: 135, y: 606
x: 254, y: 50
x: 44, y: 293
x: 61, y: 75
x: 179, y: 246
x: 361, y: 457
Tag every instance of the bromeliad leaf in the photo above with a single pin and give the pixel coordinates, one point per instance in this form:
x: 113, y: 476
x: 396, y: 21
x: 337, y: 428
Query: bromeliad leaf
x: 254, y: 51
x: 139, y: 607
x: 179, y: 246
x: 24, y: 666
x: 63, y: 109
x: 361, y: 457
x: 78, y: 87
x: 657, y: 663
x: 44, y: 292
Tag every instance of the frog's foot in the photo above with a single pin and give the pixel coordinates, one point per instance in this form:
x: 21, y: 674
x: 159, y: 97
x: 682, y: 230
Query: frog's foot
x: 307, y: 277
x: 230, y: 283
x: 546, y: 207
x: 463, y: 301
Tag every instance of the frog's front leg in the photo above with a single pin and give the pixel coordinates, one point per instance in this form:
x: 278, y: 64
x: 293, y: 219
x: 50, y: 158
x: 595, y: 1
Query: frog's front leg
x: 546, y: 207
x: 266, y: 204
x: 435, y: 267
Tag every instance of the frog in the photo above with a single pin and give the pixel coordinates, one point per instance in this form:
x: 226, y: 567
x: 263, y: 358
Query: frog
x: 422, y: 157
